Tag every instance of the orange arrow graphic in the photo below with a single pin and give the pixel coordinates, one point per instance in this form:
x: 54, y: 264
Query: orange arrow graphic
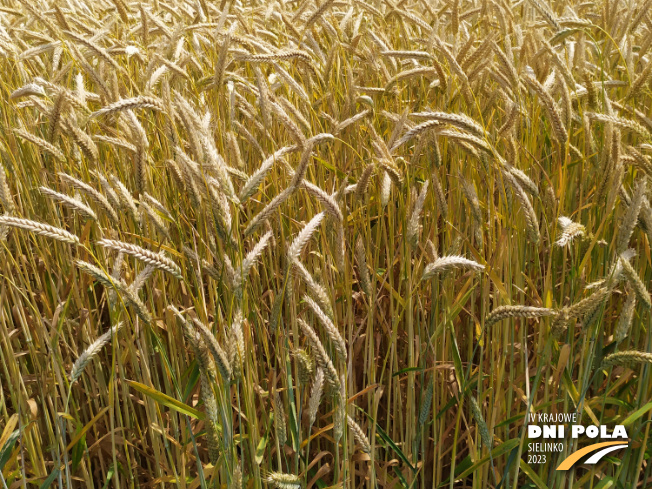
x: 574, y: 457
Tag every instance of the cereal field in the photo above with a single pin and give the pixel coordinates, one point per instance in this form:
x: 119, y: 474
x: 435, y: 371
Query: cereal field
x: 321, y: 244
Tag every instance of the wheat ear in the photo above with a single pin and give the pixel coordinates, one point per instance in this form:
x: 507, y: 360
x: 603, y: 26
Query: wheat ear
x: 359, y: 435
x: 5, y: 192
x: 413, y: 224
x: 322, y: 358
x: 129, y: 295
x: 89, y: 353
x: 482, y: 425
x: 636, y: 282
x: 363, y: 271
x: 42, y: 143
x: 93, y: 194
x: 446, y: 263
x: 70, y: 202
x: 620, y: 123
x: 140, y: 102
x: 219, y: 355
x: 505, y: 312
x: 333, y: 333
x: 126, y: 200
x: 461, y: 121
x: 279, y: 480
x: 305, y: 365
x: 39, y: 228
x: 627, y: 358
x: 317, y: 290
x: 300, y: 241
x: 625, y: 320
x: 631, y: 217
x: 553, y: 113
x: 569, y: 231
x: 315, y: 395
x: 157, y: 260
x: 280, y: 426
